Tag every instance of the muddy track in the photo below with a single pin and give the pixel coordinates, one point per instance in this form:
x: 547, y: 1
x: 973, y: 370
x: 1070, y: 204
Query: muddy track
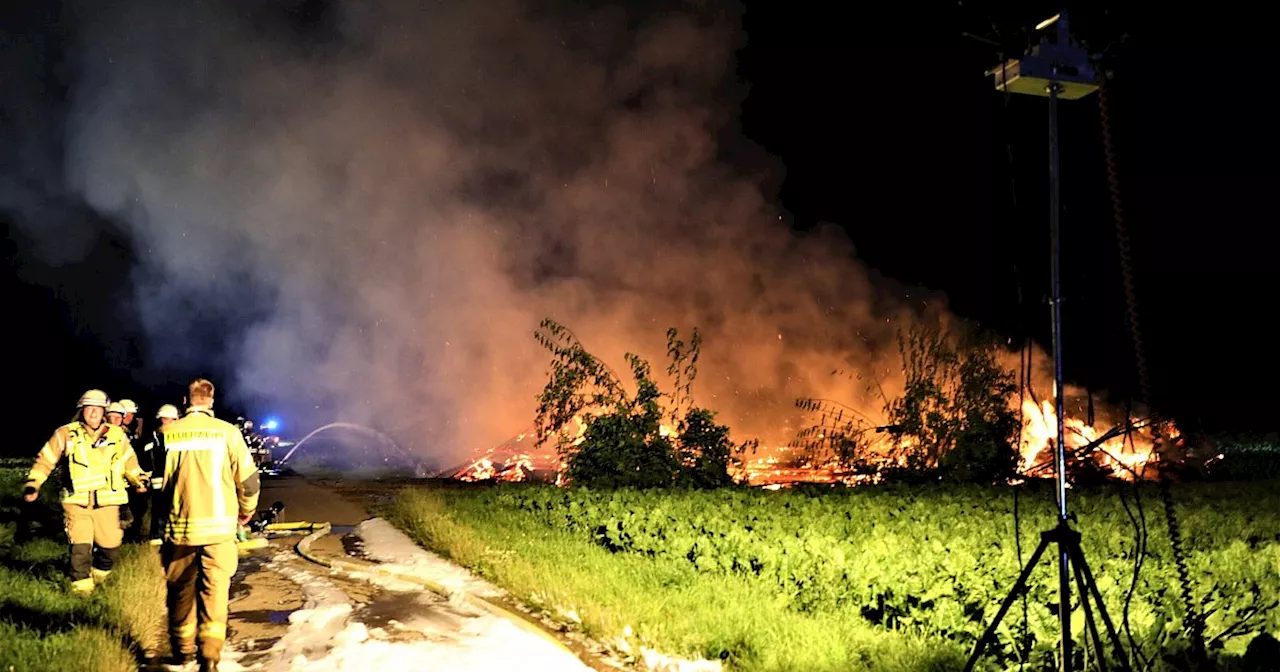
x: 275, y: 582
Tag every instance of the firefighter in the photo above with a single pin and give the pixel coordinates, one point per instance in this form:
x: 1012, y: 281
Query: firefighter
x: 131, y: 517
x: 152, y: 459
x: 132, y: 422
x: 211, y: 489
x: 115, y: 415
x: 98, y: 464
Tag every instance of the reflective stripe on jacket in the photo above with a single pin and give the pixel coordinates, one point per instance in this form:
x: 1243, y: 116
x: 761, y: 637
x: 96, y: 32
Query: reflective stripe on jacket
x: 97, y: 467
x: 209, y: 479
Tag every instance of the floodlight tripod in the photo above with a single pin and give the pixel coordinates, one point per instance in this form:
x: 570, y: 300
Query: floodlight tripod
x: 1058, y: 69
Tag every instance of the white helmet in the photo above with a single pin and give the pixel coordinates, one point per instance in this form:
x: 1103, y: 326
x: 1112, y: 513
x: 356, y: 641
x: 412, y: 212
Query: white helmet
x: 167, y: 411
x: 93, y: 398
x: 115, y: 407
x: 128, y: 406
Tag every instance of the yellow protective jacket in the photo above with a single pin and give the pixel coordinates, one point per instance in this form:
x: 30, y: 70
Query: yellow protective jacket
x: 209, y: 479
x: 97, y: 466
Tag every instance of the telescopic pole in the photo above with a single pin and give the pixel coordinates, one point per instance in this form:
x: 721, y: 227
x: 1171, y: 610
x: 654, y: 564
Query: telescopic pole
x: 1060, y: 452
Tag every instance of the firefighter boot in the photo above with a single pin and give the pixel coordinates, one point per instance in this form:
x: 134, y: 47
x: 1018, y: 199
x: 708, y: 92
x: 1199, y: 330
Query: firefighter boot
x: 81, y: 579
x: 104, y: 560
x: 179, y: 661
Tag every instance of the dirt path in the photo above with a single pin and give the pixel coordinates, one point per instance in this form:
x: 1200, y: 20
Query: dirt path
x: 310, y: 502
x: 263, y: 599
x: 289, y: 613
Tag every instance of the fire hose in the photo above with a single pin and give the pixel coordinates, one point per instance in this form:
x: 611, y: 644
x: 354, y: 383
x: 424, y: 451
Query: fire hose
x: 244, y: 542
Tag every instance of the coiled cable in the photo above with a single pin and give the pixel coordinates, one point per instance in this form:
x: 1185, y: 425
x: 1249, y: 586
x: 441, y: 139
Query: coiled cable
x: 1194, y: 623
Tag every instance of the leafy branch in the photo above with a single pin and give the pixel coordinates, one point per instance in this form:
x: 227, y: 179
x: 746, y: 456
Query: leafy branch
x: 623, y: 440
x: 683, y: 368
x: 578, y: 382
x: 953, y: 414
x: 840, y: 431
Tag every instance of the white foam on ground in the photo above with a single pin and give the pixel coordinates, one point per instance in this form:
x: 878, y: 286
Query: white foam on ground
x: 326, y: 635
x: 398, y: 553
x: 482, y: 643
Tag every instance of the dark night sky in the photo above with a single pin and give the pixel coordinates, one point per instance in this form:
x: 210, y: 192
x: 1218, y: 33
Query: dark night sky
x: 887, y: 126
x: 1196, y: 174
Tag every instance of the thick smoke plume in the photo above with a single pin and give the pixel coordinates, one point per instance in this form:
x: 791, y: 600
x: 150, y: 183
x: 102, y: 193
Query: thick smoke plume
x: 384, y: 203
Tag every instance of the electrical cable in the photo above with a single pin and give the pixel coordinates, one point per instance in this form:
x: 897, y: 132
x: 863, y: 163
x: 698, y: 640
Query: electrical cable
x: 1139, y: 520
x: 1194, y: 623
x: 1021, y: 644
x: 1122, y: 239
x: 1023, y: 381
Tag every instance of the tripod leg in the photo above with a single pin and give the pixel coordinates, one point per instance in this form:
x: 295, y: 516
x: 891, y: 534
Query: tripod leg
x: 1018, y: 586
x: 1112, y: 634
x: 1065, y: 642
x: 1099, y: 647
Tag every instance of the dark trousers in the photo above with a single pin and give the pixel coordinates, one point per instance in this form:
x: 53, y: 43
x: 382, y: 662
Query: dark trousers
x: 159, y: 512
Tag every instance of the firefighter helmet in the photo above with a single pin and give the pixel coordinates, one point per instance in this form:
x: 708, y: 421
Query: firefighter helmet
x: 115, y: 407
x: 93, y: 398
x: 167, y: 411
x: 129, y: 406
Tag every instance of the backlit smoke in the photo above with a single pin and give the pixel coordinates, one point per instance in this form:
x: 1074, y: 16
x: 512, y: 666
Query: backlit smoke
x: 384, y: 202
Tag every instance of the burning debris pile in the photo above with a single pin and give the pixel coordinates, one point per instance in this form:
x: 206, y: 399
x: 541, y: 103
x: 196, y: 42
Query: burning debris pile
x: 1122, y: 455
x: 1127, y: 455
x: 518, y: 459
x: 1115, y: 453
x: 957, y: 412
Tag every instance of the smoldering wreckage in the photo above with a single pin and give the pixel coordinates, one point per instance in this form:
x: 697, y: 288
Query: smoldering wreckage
x: 1127, y: 451
x: 1125, y: 455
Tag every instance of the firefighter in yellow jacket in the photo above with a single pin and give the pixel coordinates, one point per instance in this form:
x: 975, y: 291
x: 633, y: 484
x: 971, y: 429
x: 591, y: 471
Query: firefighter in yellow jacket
x: 98, y: 465
x: 210, y: 489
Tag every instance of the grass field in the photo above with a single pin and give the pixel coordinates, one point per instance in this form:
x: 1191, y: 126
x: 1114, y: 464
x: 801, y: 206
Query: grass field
x: 42, y: 625
x: 872, y: 578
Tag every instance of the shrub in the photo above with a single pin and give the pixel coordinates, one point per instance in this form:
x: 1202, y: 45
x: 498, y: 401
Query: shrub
x: 953, y: 420
x: 624, y: 439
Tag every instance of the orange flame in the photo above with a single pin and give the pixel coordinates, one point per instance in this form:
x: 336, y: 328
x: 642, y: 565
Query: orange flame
x: 1125, y: 456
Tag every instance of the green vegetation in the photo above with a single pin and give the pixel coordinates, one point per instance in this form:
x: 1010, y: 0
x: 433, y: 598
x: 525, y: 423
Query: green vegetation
x: 45, y: 627
x: 623, y: 443
x: 895, y: 577
x: 955, y: 408
x: 881, y: 578
x: 953, y: 421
